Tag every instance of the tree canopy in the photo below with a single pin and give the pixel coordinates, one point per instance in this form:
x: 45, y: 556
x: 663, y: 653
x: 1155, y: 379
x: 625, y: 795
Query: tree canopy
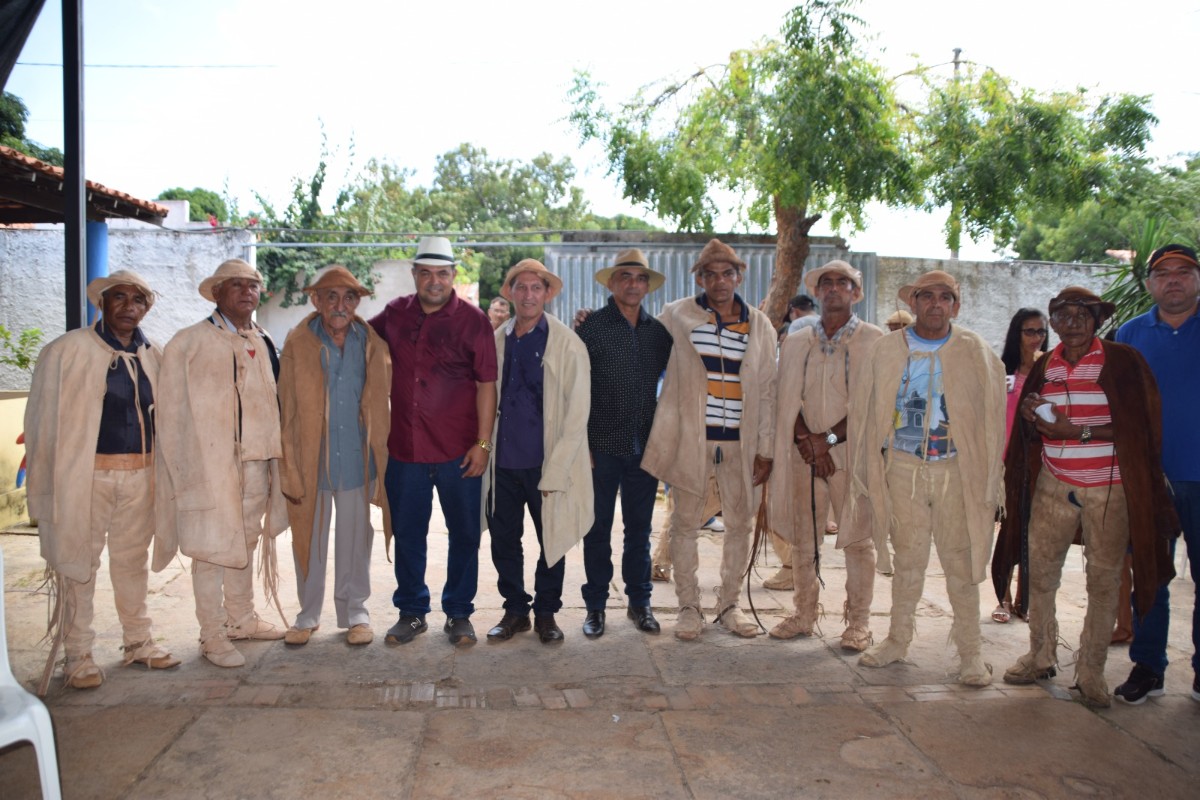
x: 796, y: 127
x: 991, y: 152
x: 492, y: 199
x: 1115, y: 219
x: 13, y: 116
x: 204, y: 204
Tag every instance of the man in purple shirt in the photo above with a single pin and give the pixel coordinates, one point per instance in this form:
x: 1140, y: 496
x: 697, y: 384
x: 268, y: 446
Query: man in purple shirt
x: 443, y: 409
x: 541, y: 452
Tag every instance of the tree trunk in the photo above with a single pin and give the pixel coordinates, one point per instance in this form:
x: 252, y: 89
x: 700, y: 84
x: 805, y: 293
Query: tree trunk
x: 954, y: 229
x: 791, y: 250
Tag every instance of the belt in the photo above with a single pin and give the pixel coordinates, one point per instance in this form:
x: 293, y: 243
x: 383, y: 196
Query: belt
x: 124, y: 461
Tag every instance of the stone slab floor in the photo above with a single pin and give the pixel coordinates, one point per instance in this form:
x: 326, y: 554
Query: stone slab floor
x: 626, y: 715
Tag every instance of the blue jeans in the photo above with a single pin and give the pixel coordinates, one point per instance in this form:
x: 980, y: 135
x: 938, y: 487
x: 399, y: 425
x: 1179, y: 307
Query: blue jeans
x: 512, y: 490
x: 1149, y: 646
x: 638, y: 487
x: 410, y: 496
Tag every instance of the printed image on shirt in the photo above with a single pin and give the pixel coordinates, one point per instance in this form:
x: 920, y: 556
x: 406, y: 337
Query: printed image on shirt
x: 921, y: 421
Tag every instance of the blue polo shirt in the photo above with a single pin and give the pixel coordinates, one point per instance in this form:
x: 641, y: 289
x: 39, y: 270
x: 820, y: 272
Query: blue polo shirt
x: 1174, y: 357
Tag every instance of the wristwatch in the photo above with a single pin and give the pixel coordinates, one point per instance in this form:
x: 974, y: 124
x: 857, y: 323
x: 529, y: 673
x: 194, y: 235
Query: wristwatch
x: 830, y: 437
x: 485, y: 444
x: 1085, y: 435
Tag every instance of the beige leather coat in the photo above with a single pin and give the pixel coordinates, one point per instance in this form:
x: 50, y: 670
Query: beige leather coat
x: 62, y: 424
x: 303, y: 400
x: 795, y: 367
x: 973, y: 378
x: 567, y: 511
x: 204, y: 368
x: 676, y: 451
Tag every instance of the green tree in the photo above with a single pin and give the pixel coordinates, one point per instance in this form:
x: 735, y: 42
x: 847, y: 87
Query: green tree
x: 991, y: 153
x: 379, y: 199
x: 13, y: 115
x: 797, y: 128
x: 1115, y: 219
x: 476, y: 193
x: 473, y: 193
x: 204, y: 203
x: 21, y: 350
x: 288, y: 270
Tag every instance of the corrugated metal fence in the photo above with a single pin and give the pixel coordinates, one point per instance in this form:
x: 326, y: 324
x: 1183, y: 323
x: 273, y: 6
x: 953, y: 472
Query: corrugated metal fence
x: 577, y: 264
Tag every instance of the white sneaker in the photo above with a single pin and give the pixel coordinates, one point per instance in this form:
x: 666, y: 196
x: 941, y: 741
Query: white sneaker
x: 716, y: 525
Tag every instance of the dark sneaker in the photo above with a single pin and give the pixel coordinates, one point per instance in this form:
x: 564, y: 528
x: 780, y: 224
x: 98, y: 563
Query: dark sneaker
x: 406, y: 629
x: 1142, y: 683
x: 460, y: 631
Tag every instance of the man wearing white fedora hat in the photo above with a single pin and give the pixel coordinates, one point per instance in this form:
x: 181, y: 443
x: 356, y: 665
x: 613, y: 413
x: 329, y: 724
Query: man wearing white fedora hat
x: 541, y: 452
x: 818, y: 369
x: 89, y: 435
x: 219, y: 433
x: 443, y: 407
x: 629, y: 350
x: 334, y: 379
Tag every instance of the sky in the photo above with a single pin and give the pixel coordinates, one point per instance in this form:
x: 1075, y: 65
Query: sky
x: 235, y: 95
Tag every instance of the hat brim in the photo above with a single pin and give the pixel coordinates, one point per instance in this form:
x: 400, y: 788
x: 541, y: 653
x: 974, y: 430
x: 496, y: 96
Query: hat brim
x: 435, y: 261
x: 657, y: 279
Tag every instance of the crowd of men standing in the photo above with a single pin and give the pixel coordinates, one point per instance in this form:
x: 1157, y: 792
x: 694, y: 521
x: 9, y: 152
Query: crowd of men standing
x: 216, y: 444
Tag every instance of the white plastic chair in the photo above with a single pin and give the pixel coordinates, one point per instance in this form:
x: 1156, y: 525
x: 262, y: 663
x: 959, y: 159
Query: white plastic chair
x: 23, y: 718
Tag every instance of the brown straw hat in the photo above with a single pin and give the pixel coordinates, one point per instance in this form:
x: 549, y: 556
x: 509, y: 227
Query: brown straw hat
x: 336, y: 276
x: 233, y: 268
x: 927, y: 281
x: 717, y: 251
x: 632, y: 258
x: 1079, y: 296
x: 122, y: 277
x: 554, y: 283
x: 841, y: 268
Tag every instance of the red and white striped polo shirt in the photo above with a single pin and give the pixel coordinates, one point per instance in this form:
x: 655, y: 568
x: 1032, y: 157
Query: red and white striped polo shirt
x: 1074, y: 391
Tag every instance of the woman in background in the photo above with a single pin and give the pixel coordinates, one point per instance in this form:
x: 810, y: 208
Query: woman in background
x: 1024, y: 344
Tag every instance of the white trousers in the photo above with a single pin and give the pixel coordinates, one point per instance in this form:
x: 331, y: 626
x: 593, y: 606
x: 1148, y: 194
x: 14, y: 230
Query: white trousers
x: 224, y: 593
x: 122, y: 515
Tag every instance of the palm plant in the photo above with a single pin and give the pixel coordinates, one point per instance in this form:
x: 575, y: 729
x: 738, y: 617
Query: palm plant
x: 1128, y: 287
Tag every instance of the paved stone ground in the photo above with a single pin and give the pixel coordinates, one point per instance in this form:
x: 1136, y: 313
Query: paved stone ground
x: 627, y: 715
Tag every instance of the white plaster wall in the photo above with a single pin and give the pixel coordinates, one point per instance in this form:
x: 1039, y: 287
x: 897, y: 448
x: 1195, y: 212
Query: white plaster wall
x: 992, y: 291
x: 173, y: 262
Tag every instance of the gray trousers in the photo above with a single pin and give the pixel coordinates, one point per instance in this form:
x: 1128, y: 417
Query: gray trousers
x: 352, y: 539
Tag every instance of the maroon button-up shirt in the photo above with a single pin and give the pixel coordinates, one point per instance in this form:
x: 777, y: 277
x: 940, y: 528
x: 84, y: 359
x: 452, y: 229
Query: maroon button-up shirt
x: 436, y: 361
